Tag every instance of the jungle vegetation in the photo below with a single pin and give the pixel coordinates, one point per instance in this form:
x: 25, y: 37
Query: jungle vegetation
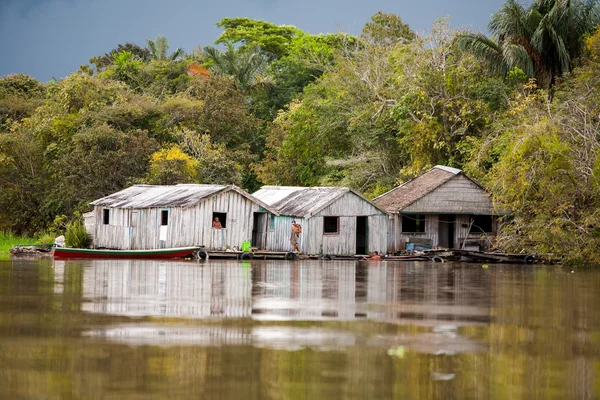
x: 273, y: 104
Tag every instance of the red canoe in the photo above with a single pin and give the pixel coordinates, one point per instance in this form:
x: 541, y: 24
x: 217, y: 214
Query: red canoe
x: 176, y: 252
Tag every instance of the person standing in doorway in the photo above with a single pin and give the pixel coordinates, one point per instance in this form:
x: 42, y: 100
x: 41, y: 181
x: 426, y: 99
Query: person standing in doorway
x: 295, y: 236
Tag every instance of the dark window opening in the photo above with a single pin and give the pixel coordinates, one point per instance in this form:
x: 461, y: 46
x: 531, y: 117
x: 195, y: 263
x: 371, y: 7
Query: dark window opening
x: 219, y: 218
x: 413, y: 223
x: 272, y: 223
x: 164, y: 217
x: 331, y: 225
x: 481, y: 224
x: 105, y: 216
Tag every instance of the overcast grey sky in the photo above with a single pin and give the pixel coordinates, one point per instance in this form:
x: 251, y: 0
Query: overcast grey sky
x: 51, y: 38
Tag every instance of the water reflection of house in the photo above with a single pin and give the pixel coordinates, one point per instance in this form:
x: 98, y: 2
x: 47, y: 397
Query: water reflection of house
x: 151, y: 217
x: 335, y: 220
x: 411, y: 293
x: 442, y: 207
x: 305, y: 291
x: 168, y: 289
x: 274, y: 290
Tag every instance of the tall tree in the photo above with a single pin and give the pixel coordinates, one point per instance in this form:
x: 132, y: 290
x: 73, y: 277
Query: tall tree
x: 387, y: 30
x: 543, y: 39
x: 272, y: 39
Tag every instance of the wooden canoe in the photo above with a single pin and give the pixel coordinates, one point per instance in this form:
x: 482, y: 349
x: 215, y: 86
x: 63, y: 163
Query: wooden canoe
x: 176, y: 252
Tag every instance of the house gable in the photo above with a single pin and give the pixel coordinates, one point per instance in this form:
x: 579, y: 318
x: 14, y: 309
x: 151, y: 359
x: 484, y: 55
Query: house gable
x: 458, y: 195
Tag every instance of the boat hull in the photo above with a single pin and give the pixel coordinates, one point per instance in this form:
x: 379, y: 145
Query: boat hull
x: 64, y: 252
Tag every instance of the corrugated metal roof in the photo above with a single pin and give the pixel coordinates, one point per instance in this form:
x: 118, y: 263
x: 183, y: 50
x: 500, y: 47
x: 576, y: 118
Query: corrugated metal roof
x: 303, y: 202
x: 147, y: 196
x: 273, y: 194
x: 299, y: 201
x: 404, y: 195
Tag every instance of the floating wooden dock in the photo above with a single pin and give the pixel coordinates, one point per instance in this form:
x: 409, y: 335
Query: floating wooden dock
x: 247, y: 255
x: 442, y: 255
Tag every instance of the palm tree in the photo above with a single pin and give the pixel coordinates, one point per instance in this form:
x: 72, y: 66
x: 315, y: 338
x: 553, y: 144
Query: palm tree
x: 245, y: 64
x: 543, y: 40
x: 159, y: 47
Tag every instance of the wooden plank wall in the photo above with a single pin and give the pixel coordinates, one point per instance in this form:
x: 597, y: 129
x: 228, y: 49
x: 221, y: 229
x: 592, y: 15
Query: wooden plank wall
x: 399, y: 238
x: 312, y: 239
x: 278, y: 239
x: 190, y: 226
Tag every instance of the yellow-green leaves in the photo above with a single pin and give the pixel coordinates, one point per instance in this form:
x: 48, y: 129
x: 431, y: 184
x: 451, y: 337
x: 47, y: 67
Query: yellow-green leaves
x: 170, y: 165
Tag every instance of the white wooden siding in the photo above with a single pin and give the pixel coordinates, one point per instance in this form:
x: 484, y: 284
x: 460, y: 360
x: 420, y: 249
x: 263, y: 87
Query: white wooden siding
x: 378, y: 233
x: 191, y: 226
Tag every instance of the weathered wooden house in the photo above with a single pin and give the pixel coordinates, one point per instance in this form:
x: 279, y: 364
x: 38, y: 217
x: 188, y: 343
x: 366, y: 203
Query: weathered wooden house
x: 335, y: 220
x: 152, y: 217
x: 442, y: 208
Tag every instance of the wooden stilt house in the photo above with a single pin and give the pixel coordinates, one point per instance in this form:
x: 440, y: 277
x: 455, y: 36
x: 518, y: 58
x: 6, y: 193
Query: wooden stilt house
x: 152, y: 217
x: 441, y: 208
x: 335, y: 220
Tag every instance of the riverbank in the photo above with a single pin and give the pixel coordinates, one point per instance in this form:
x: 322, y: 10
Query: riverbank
x: 8, y: 241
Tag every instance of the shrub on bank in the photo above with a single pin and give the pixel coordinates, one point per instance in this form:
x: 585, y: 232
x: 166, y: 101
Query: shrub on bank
x: 76, y: 235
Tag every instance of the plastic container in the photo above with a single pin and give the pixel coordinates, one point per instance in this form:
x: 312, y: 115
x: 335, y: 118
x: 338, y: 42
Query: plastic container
x: 246, y: 246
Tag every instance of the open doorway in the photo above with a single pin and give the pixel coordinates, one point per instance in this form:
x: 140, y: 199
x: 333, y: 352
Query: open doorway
x: 362, y: 235
x: 259, y: 230
x: 446, y: 228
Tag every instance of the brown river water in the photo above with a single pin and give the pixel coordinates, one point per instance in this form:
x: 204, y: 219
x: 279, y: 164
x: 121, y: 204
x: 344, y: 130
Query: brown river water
x: 130, y: 329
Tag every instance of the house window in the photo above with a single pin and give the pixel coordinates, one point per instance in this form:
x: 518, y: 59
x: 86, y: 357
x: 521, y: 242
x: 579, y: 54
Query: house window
x: 105, y: 216
x: 222, y: 219
x: 481, y: 224
x: 413, y: 223
x: 331, y: 225
x: 272, y: 223
x: 164, y: 217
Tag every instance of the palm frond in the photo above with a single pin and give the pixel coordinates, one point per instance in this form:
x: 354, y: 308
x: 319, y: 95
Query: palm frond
x: 548, y: 42
x: 511, y: 20
x: 516, y: 55
x: 245, y: 64
x: 484, y: 49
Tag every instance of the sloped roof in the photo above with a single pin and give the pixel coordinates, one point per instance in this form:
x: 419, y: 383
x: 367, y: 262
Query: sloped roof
x: 409, y: 192
x: 303, y: 202
x: 183, y: 195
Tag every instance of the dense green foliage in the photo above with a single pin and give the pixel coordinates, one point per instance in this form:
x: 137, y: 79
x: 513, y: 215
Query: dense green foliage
x: 545, y: 166
x: 272, y: 104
